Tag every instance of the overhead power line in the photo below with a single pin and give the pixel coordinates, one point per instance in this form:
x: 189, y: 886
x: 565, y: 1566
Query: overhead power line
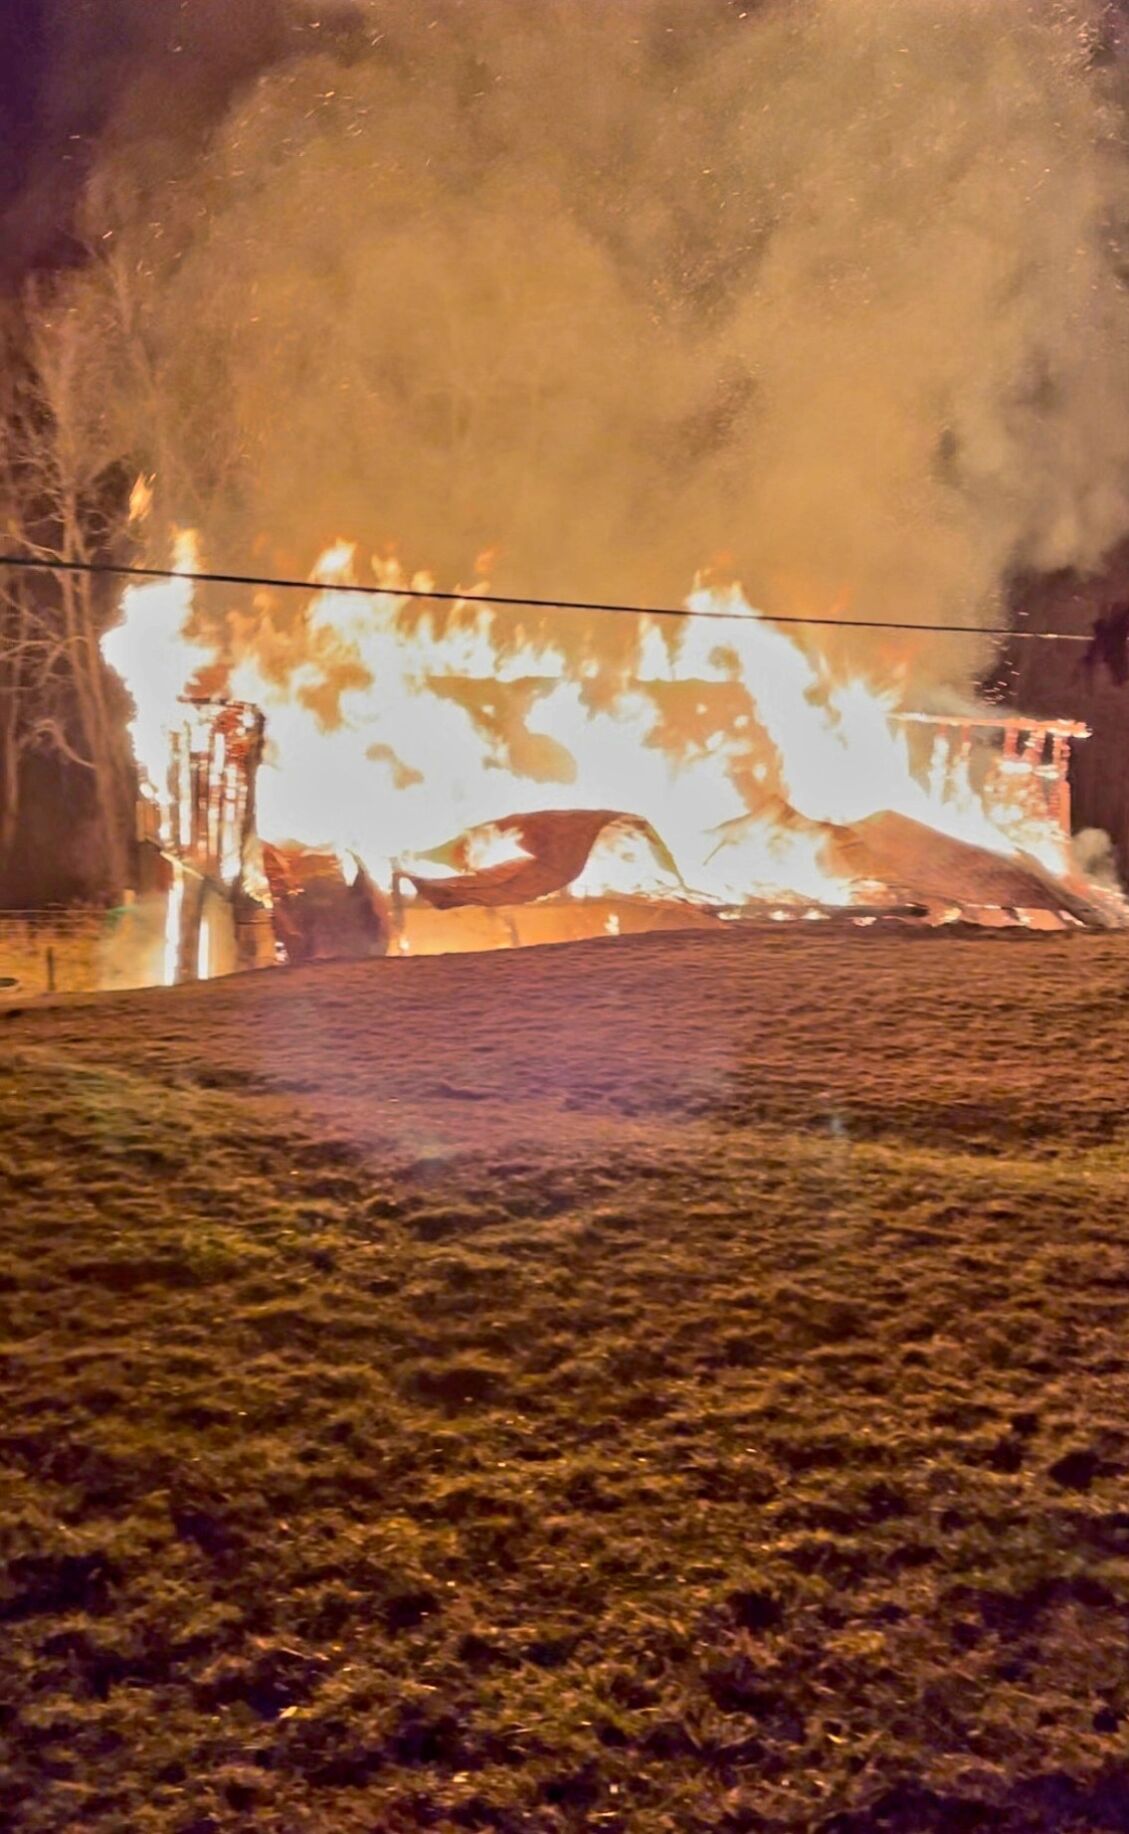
x: 717, y: 613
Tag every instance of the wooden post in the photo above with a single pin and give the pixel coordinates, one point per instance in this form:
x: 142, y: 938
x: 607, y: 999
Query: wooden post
x: 191, y: 912
x: 1061, y: 759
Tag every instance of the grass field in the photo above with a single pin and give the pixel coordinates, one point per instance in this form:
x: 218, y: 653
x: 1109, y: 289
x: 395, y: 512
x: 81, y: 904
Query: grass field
x: 679, y: 1383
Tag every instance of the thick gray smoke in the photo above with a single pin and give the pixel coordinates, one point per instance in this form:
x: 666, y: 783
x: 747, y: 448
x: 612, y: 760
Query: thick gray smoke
x: 831, y: 286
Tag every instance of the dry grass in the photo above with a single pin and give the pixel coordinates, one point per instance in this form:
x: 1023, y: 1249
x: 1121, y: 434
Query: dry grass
x: 675, y: 1384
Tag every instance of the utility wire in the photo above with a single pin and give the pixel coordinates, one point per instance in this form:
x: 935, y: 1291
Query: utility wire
x: 716, y: 613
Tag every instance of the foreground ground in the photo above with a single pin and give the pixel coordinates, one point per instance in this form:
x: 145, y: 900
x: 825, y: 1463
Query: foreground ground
x: 674, y: 1384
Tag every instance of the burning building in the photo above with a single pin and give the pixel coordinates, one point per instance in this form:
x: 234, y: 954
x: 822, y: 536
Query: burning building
x: 314, y: 812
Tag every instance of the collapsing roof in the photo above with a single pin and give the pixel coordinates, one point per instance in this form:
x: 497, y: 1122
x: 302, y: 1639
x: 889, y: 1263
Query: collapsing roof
x: 895, y: 862
x: 542, y: 853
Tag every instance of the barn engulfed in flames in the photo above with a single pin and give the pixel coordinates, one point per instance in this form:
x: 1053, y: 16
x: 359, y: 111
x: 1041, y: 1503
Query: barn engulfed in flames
x: 357, y: 774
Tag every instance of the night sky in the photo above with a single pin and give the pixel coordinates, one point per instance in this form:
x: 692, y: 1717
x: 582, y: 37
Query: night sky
x: 72, y: 71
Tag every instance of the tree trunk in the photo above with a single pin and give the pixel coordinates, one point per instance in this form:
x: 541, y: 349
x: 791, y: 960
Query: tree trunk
x: 98, y: 736
x: 10, y: 759
x: 13, y: 635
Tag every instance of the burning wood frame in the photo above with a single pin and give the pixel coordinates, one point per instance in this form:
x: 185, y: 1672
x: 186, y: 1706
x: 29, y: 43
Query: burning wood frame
x: 214, y: 755
x: 232, y: 901
x: 198, y: 843
x: 1032, y: 764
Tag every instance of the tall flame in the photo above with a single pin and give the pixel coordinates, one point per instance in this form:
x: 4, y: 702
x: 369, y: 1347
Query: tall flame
x: 394, y: 725
x: 152, y: 649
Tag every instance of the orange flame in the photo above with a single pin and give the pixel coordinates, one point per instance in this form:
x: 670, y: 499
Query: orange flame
x: 395, y: 725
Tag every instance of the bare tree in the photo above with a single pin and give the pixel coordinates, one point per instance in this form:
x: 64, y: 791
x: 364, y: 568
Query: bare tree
x: 62, y: 488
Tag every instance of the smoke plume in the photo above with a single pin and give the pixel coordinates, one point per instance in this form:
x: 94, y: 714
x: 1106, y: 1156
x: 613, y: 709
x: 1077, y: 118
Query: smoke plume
x: 833, y: 288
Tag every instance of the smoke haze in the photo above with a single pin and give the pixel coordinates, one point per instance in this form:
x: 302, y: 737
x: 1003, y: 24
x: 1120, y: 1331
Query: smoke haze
x: 836, y: 289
